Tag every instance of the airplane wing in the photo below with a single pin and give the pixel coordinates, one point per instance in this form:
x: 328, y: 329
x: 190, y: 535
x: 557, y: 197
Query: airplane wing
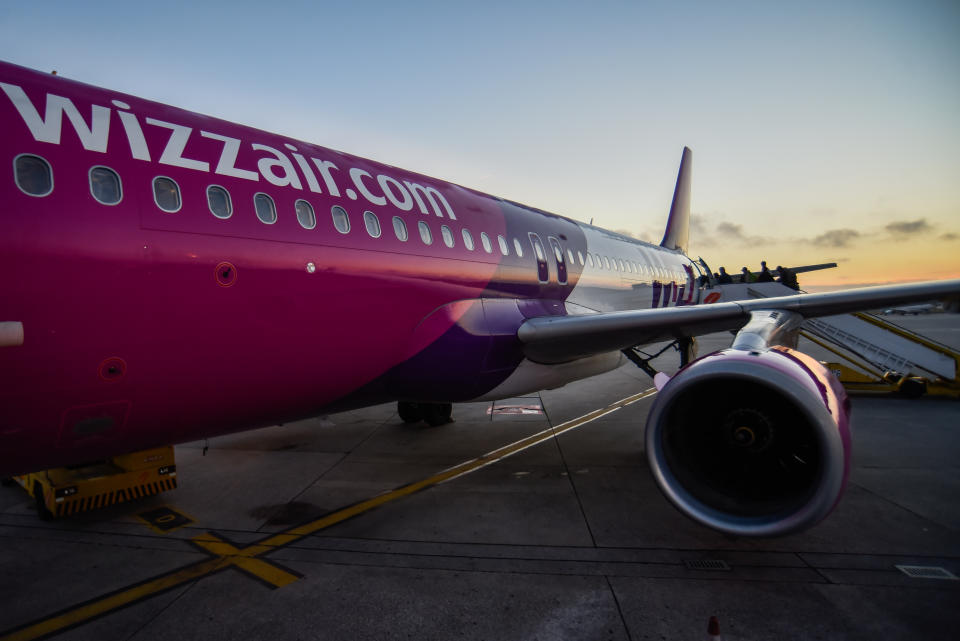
x: 558, y: 339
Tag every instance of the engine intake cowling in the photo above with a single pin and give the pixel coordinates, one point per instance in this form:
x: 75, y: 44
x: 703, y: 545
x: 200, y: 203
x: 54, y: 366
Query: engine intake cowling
x: 751, y: 442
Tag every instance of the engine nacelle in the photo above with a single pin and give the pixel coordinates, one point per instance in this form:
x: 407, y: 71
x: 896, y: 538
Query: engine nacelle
x: 751, y: 442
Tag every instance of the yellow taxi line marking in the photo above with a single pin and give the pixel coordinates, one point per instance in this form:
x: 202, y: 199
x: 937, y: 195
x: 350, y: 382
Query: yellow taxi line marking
x: 259, y: 568
x: 115, y: 601
x: 227, y: 555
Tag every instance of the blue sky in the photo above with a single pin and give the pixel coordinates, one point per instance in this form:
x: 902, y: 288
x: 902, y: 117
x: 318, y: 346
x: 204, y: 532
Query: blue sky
x: 820, y: 130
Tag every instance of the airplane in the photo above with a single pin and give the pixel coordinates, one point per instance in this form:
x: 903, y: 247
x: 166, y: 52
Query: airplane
x: 169, y: 277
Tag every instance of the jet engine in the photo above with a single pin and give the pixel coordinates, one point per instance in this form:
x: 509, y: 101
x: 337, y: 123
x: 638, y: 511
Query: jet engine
x: 751, y: 441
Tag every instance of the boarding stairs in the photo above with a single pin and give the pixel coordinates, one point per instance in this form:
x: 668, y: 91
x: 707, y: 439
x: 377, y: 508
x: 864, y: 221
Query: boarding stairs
x: 875, y: 354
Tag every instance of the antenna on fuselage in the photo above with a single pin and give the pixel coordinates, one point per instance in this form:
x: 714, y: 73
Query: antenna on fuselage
x: 678, y: 223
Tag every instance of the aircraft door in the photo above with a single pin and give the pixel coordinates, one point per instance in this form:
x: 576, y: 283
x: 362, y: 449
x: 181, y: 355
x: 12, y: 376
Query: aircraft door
x: 561, y: 262
x: 543, y: 275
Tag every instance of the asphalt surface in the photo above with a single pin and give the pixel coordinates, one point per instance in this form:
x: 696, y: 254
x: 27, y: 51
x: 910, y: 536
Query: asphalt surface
x: 565, y: 539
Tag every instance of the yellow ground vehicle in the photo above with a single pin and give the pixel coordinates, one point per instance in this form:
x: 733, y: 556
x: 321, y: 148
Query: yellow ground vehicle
x: 71, y: 490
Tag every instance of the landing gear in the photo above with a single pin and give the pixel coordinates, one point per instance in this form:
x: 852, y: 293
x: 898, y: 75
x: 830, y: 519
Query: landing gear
x: 433, y: 414
x: 409, y: 412
x: 686, y: 346
x: 688, y: 350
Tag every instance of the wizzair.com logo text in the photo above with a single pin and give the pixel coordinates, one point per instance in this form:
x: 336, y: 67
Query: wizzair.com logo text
x: 273, y: 165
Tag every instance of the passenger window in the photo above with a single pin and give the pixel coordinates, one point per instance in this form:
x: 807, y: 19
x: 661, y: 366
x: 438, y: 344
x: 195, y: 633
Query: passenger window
x: 600, y: 262
x: 105, y: 185
x: 590, y: 259
x: 218, y: 200
x: 606, y: 262
x: 570, y: 258
x: 485, y: 241
x: 504, y: 249
x: 305, y: 215
x: 33, y: 175
x: 372, y: 224
x: 543, y: 275
x: 447, y: 235
x: 467, y: 239
x: 425, y: 234
x: 400, y: 229
x: 166, y: 194
x: 266, y: 210
x: 580, y: 256
x: 517, y: 247
x: 341, y: 221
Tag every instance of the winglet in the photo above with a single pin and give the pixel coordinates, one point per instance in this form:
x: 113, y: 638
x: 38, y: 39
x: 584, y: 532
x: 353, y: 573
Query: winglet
x: 678, y: 224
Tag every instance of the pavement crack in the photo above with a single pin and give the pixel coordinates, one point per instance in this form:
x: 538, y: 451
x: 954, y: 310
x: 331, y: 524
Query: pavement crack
x: 566, y: 467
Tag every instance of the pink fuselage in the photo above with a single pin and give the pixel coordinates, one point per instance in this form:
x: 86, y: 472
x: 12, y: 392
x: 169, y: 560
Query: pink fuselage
x: 144, y: 327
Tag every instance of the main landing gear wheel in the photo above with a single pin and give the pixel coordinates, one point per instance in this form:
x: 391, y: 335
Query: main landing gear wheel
x: 409, y: 412
x: 433, y: 414
x: 436, y: 414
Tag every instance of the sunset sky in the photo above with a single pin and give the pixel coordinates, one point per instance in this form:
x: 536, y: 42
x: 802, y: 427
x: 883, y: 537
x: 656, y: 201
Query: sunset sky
x: 821, y: 131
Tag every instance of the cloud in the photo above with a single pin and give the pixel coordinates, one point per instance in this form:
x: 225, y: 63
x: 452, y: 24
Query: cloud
x: 730, y: 230
x: 625, y: 232
x: 734, y: 232
x: 700, y: 234
x: 949, y: 236
x: 904, y: 228
x: 836, y: 238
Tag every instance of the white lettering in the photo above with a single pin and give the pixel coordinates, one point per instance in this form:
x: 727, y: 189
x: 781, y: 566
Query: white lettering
x: 267, y: 165
x: 385, y: 182
x: 324, y: 166
x: 173, y: 151
x: 357, y: 175
x: 93, y: 138
x: 433, y: 196
x: 307, y: 172
x: 138, y: 144
x: 227, y: 165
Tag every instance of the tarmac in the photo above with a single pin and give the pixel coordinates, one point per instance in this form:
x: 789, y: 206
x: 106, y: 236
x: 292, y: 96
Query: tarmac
x: 358, y: 526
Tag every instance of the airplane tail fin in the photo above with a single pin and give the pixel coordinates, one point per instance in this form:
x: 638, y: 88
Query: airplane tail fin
x: 678, y: 224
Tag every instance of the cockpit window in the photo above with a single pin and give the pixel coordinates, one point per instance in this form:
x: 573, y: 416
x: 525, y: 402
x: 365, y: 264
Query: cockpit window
x: 33, y: 175
x: 105, y: 185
